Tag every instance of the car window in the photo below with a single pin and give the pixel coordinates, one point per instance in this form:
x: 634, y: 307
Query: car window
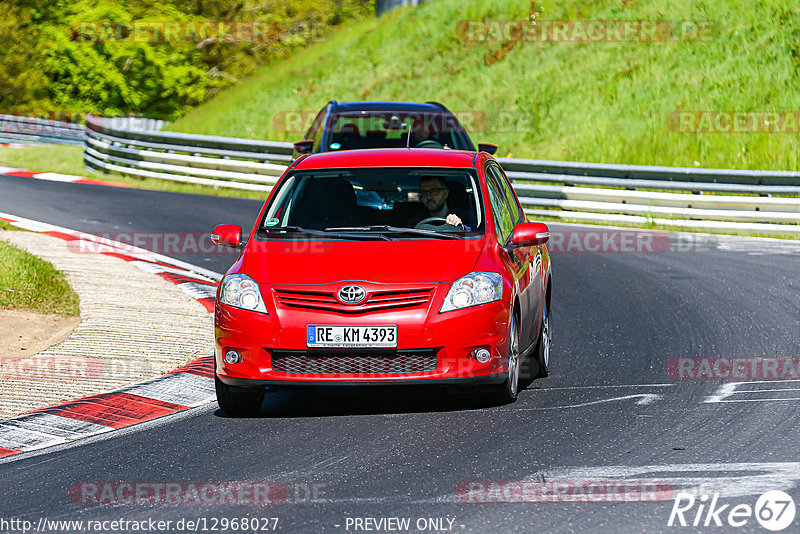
x: 368, y: 198
x: 312, y: 132
x: 384, y: 129
x: 324, y: 119
x: 503, y: 221
x: 502, y: 180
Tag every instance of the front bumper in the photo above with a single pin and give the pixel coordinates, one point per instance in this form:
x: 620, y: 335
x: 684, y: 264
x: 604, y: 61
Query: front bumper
x: 451, y: 335
x: 460, y: 382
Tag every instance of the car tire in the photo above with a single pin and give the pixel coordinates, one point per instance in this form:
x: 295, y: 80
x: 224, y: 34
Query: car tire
x: 506, y: 392
x: 238, y: 401
x: 544, y: 345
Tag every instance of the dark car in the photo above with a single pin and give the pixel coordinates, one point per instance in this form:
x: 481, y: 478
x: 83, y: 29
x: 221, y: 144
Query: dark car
x: 356, y: 125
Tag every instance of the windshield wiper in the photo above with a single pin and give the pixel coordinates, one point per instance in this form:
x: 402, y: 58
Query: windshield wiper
x: 394, y: 230
x: 322, y: 233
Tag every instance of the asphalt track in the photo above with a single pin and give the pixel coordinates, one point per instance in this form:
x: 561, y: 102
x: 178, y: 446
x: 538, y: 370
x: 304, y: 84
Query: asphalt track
x: 609, y: 410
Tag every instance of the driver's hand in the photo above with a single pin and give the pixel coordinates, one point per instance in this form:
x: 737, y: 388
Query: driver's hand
x: 454, y: 220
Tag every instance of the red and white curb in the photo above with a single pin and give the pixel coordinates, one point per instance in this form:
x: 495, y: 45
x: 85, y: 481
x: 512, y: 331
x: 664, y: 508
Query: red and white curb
x: 187, y: 387
x: 55, y: 177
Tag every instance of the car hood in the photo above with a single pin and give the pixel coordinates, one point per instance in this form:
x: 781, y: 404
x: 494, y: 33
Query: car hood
x: 323, y: 262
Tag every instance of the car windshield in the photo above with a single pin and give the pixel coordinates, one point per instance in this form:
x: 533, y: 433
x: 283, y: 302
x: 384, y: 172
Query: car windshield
x: 376, y: 203
x: 382, y: 129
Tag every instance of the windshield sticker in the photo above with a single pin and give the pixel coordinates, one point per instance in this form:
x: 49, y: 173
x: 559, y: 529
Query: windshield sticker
x: 272, y: 222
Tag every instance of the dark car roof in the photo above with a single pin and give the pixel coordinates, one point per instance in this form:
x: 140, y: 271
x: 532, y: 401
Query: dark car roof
x: 418, y: 107
x: 388, y: 157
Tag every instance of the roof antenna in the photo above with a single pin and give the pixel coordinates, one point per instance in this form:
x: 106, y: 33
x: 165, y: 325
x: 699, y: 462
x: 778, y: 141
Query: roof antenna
x: 408, y: 137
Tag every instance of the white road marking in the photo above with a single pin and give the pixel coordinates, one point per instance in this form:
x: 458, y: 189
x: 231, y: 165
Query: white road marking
x: 644, y: 399
x: 185, y: 389
x: 114, y: 433
x: 766, y: 390
x: 724, y: 391
x: 197, y: 290
x: 749, y: 478
x: 25, y: 439
x: 732, y: 388
x: 608, y: 386
x: 55, y: 425
x: 155, y: 268
x: 57, y: 177
x: 763, y: 400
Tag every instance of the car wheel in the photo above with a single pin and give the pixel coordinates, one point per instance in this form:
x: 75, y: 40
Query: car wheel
x: 507, y: 391
x: 543, y: 348
x: 238, y: 401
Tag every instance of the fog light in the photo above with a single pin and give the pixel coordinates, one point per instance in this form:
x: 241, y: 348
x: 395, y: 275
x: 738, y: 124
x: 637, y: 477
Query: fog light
x: 482, y: 355
x: 232, y: 357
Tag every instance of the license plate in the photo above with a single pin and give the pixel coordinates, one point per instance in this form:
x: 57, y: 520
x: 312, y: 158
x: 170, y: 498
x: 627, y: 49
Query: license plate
x: 337, y: 336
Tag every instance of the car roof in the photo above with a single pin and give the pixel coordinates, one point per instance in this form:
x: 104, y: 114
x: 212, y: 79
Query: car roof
x: 408, y: 107
x: 388, y: 157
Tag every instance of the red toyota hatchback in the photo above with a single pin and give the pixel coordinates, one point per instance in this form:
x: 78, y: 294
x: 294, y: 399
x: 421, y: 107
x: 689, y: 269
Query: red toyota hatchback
x: 387, y: 266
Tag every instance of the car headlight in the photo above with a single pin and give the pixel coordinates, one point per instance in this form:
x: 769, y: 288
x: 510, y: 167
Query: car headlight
x: 472, y: 290
x: 241, y: 291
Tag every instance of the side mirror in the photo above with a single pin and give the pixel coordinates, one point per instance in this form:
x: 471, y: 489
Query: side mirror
x: 304, y: 146
x: 489, y: 148
x: 227, y: 235
x: 530, y: 234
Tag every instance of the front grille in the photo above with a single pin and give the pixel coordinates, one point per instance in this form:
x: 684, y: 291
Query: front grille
x: 376, y: 300
x: 354, y: 362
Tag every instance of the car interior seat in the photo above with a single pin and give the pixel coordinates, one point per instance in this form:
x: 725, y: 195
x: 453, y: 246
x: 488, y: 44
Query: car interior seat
x: 349, y: 137
x: 325, y: 203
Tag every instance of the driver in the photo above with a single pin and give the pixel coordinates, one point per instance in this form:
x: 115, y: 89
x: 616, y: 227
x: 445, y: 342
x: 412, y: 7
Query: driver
x: 433, y: 194
x: 422, y: 131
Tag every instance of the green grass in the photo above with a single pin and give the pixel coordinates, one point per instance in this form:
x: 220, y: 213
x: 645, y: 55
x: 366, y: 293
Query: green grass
x: 64, y: 159
x: 6, y: 226
x: 68, y: 159
x: 30, y: 283
x: 602, y: 101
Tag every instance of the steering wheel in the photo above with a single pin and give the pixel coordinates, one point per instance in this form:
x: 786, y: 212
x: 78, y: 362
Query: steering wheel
x: 433, y: 221
x: 428, y: 143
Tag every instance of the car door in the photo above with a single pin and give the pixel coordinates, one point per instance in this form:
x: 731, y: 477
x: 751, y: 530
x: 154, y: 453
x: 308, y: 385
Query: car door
x: 505, y: 218
x: 535, y: 275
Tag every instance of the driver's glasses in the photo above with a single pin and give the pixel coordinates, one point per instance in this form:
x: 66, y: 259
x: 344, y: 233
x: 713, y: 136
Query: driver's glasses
x: 424, y: 193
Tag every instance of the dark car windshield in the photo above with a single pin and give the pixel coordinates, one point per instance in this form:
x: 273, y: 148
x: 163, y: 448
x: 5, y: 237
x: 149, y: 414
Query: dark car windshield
x: 375, y: 203
x: 384, y: 129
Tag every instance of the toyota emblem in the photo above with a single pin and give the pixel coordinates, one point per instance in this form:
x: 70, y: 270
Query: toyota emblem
x: 352, y: 294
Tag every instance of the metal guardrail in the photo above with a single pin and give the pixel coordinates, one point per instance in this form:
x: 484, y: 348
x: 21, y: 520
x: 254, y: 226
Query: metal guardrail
x: 15, y: 129
x: 697, y: 199
x: 198, y: 159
